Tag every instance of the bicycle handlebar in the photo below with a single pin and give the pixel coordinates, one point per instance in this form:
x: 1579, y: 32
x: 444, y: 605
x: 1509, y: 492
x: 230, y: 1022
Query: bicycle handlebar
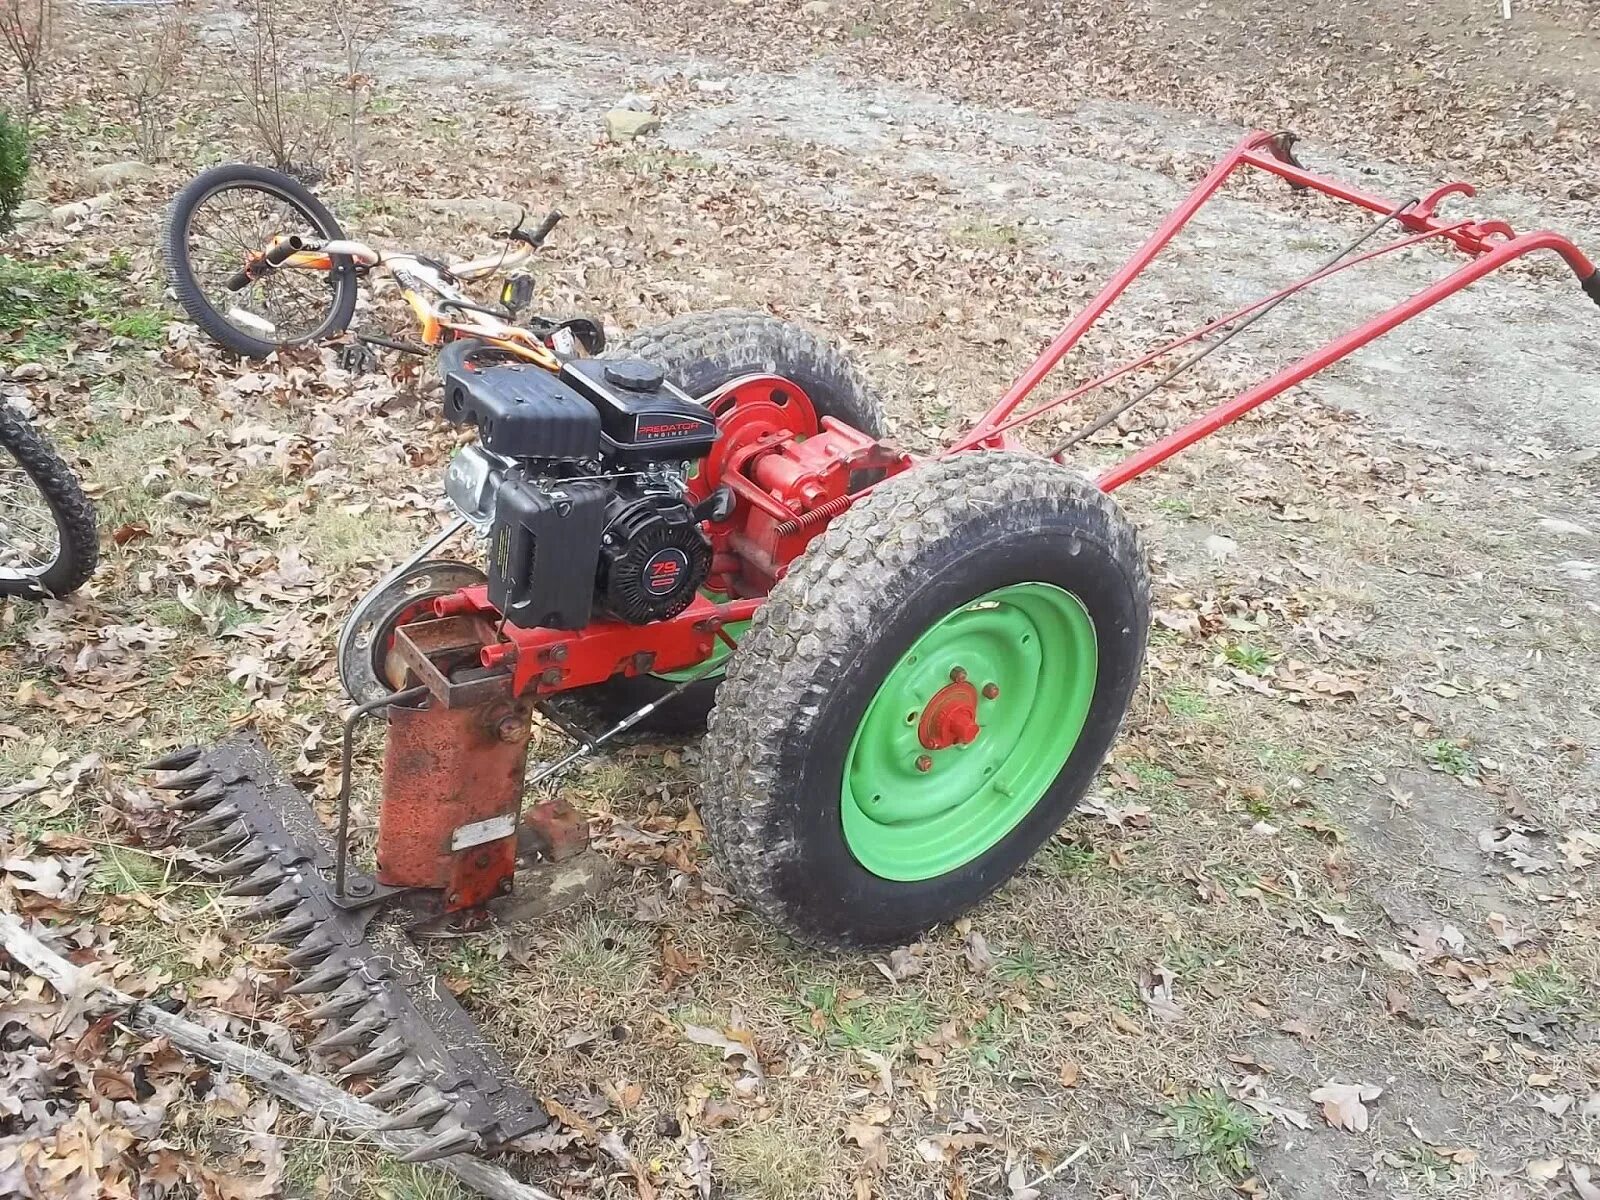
x: 540, y: 232
x: 276, y: 256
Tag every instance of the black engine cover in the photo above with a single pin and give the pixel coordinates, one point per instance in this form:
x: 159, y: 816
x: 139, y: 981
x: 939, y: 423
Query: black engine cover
x: 543, y: 551
x: 653, y: 558
x: 642, y: 416
x: 521, y: 411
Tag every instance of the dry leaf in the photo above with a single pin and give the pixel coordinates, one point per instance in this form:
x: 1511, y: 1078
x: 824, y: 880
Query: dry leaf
x: 1342, y: 1104
x: 1017, y: 1185
x: 1543, y: 1170
x: 1582, y: 1182
x: 976, y: 948
x: 1338, y: 925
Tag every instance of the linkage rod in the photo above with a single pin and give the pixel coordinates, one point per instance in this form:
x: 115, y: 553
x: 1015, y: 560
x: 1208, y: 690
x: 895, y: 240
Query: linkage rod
x: 1112, y: 414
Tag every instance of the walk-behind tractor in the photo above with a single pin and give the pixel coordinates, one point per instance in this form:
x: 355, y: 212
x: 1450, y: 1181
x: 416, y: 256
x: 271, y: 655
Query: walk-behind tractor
x: 908, y: 671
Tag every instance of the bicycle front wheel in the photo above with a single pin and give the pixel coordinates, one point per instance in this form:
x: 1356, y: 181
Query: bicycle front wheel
x: 223, y: 221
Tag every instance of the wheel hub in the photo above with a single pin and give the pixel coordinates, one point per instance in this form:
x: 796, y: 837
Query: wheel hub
x: 951, y: 717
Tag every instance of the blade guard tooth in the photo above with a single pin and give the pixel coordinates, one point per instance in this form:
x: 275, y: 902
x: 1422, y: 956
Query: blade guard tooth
x: 340, y: 1004
x: 203, y: 796
x: 186, y: 780
x: 173, y: 760
x: 420, y: 1112
x: 402, y: 1085
x: 384, y: 1054
x: 219, y: 816
x: 355, y: 1034
x: 286, y: 896
x: 315, y: 947
x: 225, y: 842
x: 324, y: 979
x: 243, y: 863
x: 453, y: 1139
x: 293, y: 929
x: 261, y: 883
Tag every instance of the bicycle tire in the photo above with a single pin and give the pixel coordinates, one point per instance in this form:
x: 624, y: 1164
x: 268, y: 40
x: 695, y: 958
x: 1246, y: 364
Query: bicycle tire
x: 78, y: 543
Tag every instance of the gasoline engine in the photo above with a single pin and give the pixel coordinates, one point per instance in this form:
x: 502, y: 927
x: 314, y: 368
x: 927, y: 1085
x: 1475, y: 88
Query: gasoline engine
x: 579, y: 481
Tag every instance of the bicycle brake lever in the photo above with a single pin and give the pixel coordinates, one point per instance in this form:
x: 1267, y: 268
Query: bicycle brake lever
x: 514, y: 234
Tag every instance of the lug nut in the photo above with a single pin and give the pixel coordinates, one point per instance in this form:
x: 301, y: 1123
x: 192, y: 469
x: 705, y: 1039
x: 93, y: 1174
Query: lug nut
x: 991, y: 691
x: 509, y: 729
x: 924, y: 763
x: 958, y: 674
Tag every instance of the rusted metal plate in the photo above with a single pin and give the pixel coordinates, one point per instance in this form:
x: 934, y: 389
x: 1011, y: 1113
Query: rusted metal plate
x: 445, y: 769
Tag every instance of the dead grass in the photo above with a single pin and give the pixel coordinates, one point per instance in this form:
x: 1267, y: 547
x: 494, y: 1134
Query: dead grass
x: 1061, y: 1042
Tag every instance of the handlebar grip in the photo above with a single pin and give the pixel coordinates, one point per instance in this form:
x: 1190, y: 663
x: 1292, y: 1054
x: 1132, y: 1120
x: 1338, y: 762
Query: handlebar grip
x: 1592, y: 285
x: 280, y: 253
x: 551, y: 220
x: 275, y: 257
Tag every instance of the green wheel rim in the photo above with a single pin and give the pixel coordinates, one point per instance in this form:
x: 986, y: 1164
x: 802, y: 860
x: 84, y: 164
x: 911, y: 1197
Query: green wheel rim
x: 914, y: 811
x: 719, y: 650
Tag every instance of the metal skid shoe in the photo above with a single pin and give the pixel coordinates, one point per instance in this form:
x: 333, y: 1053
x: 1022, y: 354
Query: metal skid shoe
x: 452, y: 789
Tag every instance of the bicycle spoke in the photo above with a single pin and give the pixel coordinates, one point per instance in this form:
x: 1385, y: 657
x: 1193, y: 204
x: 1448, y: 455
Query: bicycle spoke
x: 29, y: 539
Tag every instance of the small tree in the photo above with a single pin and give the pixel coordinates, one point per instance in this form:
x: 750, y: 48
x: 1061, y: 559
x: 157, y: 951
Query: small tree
x: 355, y: 39
x: 13, y: 166
x: 25, y: 30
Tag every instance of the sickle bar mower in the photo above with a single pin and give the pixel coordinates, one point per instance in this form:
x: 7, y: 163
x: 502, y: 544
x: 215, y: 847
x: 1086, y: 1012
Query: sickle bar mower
x: 917, y: 667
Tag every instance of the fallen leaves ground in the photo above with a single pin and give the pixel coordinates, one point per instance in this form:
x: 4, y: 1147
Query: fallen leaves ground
x: 1326, y: 926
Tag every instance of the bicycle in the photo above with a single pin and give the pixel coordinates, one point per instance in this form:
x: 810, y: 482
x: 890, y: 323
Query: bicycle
x: 260, y: 264
x: 48, y: 542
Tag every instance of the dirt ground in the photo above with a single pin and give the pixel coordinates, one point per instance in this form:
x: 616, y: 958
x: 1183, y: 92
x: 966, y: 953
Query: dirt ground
x: 1326, y: 927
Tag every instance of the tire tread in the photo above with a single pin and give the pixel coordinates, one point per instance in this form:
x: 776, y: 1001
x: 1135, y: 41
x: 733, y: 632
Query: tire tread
x: 72, y: 509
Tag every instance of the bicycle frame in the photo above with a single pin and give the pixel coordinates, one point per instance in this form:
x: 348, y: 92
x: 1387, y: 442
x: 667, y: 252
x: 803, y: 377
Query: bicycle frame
x: 442, y: 310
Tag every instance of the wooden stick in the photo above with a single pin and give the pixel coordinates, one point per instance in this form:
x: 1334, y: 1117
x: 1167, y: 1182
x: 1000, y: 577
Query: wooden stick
x: 305, y: 1092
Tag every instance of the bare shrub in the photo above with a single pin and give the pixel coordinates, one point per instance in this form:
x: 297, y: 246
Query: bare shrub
x: 355, y: 41
x: 154, y: 72
x: 26, y: 29
x: 288, y: 105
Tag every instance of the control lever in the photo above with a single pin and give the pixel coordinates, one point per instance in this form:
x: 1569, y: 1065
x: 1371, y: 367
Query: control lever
x: 516, y: 293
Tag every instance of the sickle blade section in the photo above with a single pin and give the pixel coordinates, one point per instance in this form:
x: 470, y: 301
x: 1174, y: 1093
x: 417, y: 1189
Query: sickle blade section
x: 384, y: 1021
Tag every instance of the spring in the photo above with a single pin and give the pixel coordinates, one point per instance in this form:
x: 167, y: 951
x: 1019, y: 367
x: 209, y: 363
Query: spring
x: 823, y: 512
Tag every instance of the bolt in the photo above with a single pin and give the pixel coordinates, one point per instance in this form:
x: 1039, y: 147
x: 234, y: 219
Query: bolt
x: 360, y: 887
x: 505, y: 886
x: 509, y: 729
x: 924, y: 762
x: 991, y: 691
x: 958, y: 674
x: 553, y: 675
